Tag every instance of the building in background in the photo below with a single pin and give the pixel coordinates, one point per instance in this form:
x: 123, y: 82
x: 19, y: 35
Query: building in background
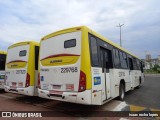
x: 149, y: 62
x: 148, y: 57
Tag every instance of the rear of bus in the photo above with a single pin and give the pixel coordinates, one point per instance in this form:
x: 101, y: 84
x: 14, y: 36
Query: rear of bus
x: 2, y: 68
x: 64, y: 66
x: 21, y: 63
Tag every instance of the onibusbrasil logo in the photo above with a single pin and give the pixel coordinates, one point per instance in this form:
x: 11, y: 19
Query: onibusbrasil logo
x: 21, y: 114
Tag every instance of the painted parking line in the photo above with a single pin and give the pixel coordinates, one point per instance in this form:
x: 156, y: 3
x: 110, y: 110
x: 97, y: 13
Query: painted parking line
x: 114, y: 105
x: 134, y: 108
x: 153, y: 112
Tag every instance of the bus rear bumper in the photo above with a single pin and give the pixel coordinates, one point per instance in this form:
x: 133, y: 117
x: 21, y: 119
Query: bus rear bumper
x: 73, y: 97
x: 29, y: 91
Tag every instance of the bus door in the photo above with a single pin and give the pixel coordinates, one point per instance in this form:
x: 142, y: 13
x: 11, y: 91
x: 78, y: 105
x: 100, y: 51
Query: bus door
x: 105, y: 62
x: 131, y: 72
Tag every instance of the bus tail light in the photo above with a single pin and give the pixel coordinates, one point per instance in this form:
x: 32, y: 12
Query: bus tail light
x: 39, y: 84
x: 27, y: 80
x: 82, y: 82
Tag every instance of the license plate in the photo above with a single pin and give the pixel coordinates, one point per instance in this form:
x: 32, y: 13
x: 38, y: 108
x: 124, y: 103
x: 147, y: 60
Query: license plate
x: 55, y: 92
x: 56, y: 86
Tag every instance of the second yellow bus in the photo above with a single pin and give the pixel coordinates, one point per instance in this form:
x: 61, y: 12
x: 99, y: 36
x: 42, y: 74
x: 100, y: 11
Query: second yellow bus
x: 21, y: 68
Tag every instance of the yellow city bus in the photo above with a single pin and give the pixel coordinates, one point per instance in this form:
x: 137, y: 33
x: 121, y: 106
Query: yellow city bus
x: 22, y: 68
x: 2, y: 68
x: 80, y: 66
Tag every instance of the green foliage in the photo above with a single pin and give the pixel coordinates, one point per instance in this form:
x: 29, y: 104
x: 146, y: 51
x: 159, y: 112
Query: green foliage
x: 153, y: 70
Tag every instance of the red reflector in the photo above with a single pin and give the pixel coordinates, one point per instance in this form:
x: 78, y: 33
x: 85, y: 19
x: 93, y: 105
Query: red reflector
x: 82, y: 82
x: 39, y: 84
x: 27, y: 80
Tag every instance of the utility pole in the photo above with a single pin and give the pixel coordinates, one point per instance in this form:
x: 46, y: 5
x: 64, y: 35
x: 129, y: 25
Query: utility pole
x: 120, y: 25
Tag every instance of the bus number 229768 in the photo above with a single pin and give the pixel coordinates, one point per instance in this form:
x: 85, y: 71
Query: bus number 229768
x: 69, y: 69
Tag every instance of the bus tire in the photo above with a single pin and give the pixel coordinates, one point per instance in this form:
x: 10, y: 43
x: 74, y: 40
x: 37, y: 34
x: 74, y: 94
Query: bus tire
x: 121, y: 92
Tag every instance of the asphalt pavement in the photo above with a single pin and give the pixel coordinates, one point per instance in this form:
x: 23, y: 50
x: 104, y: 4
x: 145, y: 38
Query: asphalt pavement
x: 148, y: 95
x: 146, y: 98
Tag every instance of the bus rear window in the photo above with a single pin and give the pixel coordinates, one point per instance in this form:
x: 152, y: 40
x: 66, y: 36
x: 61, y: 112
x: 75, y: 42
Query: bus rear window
x: 22, y: 53
x: 70, y: 43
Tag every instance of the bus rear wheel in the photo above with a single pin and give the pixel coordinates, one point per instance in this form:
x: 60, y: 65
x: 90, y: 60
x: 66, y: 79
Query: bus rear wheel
x: 121, y: 92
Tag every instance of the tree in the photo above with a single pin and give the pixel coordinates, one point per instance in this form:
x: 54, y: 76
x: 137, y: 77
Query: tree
x: 156, y: 68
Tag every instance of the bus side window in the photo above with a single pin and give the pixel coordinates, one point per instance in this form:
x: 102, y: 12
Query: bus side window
x: 116, y: 58
x: 101, y: 59
x: 110, y: 61
x: 135, y: 64
x: 123, y: 59
x: 138, y: 65
x: 36, y: 57
x: 106, y: 58
x: 130, y: 64
x: 94, y: 51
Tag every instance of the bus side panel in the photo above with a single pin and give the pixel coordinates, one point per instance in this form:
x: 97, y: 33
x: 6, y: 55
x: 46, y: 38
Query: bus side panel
x: 136, y: 74
x: 118, y: 75
x: 114, y: 87
x: 98, y: 82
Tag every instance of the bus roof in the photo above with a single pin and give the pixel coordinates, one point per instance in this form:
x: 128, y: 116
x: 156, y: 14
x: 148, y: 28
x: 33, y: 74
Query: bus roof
x: 23, y: 43
x: 74, y: 29
x: 3, y: 52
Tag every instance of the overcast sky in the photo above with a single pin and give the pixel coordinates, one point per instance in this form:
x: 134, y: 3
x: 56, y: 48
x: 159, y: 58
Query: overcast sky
x: 32, y: 19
